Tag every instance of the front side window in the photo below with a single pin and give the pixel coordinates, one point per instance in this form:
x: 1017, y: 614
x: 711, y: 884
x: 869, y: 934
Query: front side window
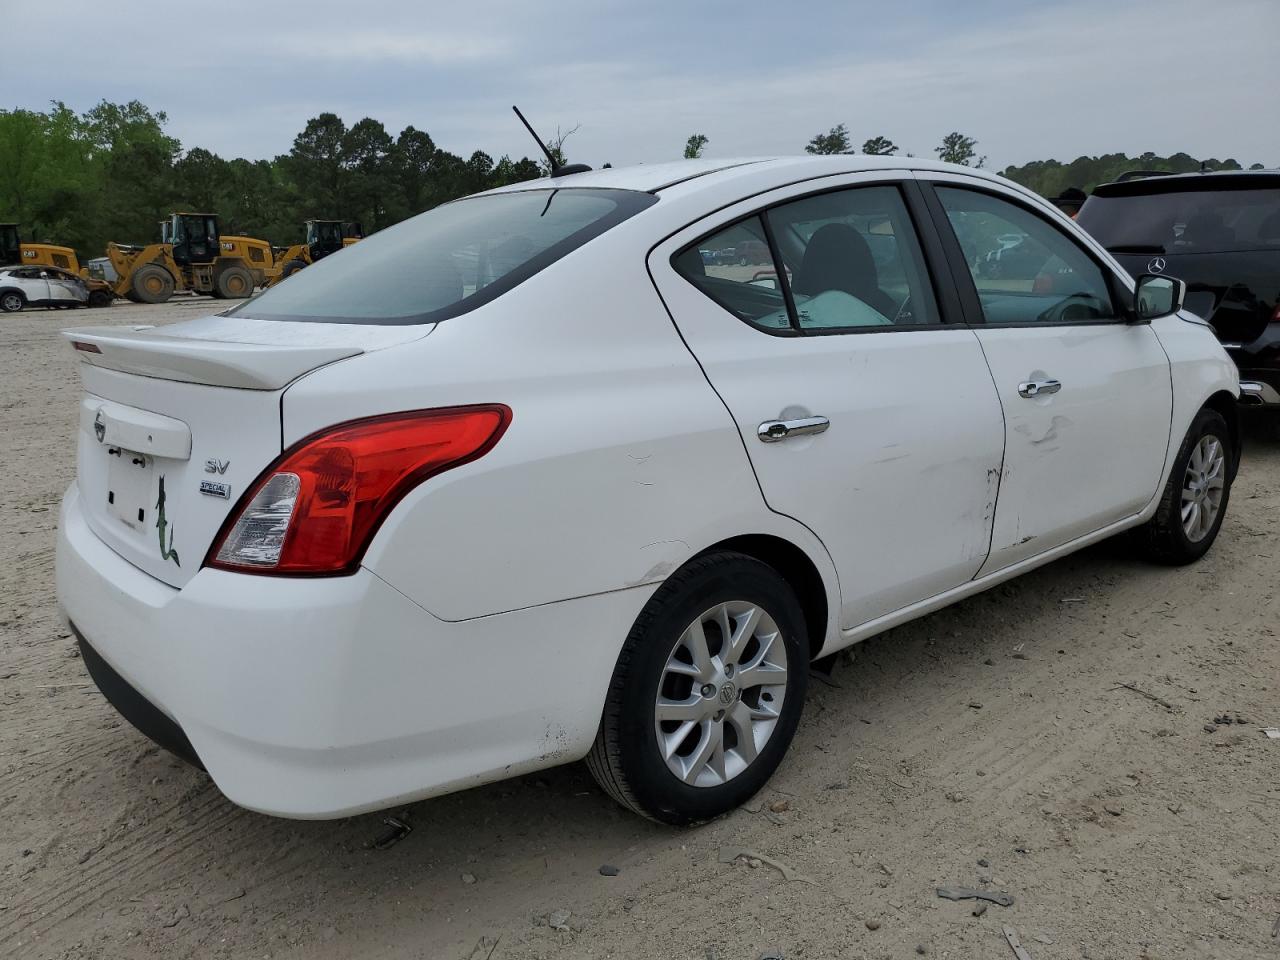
x: 447, y: 261
x: 1025, y: 269
x: 849, y: 260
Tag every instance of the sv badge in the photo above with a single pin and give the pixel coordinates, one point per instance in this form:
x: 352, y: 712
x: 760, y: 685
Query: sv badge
x: 216, y: 466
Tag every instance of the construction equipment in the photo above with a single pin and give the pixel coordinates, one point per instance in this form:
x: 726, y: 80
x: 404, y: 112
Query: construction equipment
x: 323, y: 238
x: 13, y: 251
x: 191, y: 255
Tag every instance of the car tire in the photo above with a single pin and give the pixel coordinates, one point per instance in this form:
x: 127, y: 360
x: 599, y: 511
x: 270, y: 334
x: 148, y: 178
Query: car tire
x: 151, y: 283
x: 100, y: 298
x: 630, y: 756
x: 1194, y: 501
x: 11, y: 301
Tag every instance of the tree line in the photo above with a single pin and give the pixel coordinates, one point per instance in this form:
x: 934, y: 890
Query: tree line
x: 112, y: 173
x: 1049, y: 178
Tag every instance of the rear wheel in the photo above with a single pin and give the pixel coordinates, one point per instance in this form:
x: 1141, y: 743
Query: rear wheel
x: 1194, y: 502
x: 234, y: 283
x: 11, y: 302
x: 707, y: 692
x: 152, y: 284
x: 100, y: 298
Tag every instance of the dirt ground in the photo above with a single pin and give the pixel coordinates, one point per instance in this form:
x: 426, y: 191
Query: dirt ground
x: 1087, y: 739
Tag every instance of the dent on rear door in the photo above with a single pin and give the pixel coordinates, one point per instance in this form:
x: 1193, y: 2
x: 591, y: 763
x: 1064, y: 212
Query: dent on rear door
x: 901, y: 488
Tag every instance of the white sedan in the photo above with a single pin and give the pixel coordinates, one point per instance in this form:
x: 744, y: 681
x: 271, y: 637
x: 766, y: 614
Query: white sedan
x: 530, y: 478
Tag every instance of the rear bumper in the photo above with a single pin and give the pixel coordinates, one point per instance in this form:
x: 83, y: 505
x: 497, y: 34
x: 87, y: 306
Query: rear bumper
x: 133, y: 706
x: 1259, y: 366
x: 319, y: 698
x: 1259, y: 393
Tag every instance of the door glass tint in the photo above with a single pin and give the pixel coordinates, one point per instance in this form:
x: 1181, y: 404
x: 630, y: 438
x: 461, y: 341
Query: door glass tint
x: 853, y: 260
x: 1026, y: 270
x: 1151, y: 220
x: 735, y: 269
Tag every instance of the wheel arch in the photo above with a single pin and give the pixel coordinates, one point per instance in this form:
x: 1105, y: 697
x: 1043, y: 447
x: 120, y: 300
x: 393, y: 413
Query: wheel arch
x: 797, y: 568
x: 1225, y: 404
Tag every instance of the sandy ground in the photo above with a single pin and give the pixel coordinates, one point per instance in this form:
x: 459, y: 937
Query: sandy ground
x: 991, y: 745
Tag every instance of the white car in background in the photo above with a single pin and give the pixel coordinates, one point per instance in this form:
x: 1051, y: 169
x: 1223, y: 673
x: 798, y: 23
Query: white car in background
x: 526, y: 479
x: 22, y: 287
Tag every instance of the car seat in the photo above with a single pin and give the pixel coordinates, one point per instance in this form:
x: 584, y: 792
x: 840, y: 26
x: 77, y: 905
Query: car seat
x: 838, y: 258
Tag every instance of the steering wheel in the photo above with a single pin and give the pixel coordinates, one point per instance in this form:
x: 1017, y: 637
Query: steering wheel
x: 1077, y: 306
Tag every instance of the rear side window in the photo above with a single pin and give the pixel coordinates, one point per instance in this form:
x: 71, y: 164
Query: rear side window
x: 1187, y: 221
x: 446, y: 261
x: 735, y: 269
x: 850, y: 261
x: 853, y: 260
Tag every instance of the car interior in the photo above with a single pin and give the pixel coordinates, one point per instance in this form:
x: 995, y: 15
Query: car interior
x: 841, y: 254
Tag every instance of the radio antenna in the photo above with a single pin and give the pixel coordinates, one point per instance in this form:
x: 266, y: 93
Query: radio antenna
x: 556, y: 169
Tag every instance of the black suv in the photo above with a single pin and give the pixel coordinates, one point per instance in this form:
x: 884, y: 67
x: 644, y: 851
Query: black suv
x: 1220, y: 232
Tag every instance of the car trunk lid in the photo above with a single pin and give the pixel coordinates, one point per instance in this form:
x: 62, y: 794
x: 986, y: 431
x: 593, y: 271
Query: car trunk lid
x: 177, y: 422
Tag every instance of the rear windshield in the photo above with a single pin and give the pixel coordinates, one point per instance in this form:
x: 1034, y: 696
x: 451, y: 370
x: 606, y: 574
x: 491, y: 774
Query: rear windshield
x: 1192, y: 221
x: 446, y: 261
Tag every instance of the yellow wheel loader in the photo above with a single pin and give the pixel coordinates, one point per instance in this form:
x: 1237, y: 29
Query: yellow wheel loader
x: 13, y: 251
x: 323, y: 238
x: 191, y: 255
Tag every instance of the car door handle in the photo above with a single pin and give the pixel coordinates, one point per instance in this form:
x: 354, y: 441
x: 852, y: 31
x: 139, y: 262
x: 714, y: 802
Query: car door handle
x: 1038, y: 388
x: 771, y: 431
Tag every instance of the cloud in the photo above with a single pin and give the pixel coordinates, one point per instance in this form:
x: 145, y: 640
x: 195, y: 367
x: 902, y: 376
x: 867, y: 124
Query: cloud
x: 1027, y: 80
x: 425, y: 47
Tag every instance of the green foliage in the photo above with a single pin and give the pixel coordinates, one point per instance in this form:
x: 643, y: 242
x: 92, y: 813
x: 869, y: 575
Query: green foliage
x: 694, y: 145
x: 1049, y: 177
x: 835, y: 140
x: 112, y: 173
x: 879, y: 147
x: 957, y: 148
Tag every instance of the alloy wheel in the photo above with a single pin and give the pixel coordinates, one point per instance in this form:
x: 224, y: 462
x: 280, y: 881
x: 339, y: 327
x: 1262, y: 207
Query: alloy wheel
x: 1202, y: 487
x: 721, y: 693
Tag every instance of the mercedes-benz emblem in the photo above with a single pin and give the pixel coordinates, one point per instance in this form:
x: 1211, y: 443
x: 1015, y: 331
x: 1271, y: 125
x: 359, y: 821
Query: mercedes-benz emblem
x: 99, y: 427
x: 1156, y: 265
x: 728, y: 693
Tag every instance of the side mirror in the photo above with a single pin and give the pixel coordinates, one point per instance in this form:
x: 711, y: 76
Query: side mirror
x: 1157, y: 296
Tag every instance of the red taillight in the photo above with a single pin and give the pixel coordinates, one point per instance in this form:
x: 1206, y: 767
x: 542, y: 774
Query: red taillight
x: 316, y: 508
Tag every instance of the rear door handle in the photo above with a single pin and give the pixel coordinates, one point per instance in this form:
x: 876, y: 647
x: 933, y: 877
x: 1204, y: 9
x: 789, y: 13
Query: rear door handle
x: 1038, y: 388
x: 771, y: 431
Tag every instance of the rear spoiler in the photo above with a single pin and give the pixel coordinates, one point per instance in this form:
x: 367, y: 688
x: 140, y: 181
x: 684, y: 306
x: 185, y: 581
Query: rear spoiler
x: 149, y: 352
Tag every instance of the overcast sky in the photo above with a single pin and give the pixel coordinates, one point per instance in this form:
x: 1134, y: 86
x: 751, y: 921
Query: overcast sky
x: 1028, y: 80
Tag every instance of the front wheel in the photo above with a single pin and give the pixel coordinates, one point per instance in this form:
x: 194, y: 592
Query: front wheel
x: 707, y: 693
x: 152, y: 284
x: 1194, y: 501
x: 11, y: 302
